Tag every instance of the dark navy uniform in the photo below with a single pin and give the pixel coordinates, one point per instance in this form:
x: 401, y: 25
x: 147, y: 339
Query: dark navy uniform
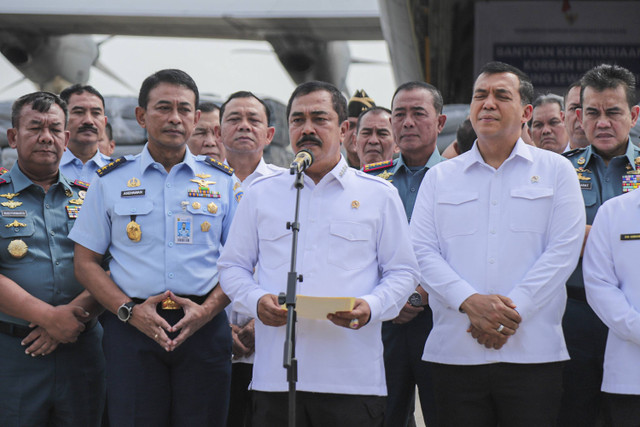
x: 404, y: 343
x: 66, y: 387
x: 584, y: 332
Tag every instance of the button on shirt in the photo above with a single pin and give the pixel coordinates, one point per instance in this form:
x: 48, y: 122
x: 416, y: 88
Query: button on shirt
x: 73, y: 169
x: 353, y: 242
x: 611, y: 284
x: 157, y: 262
x: 46, y: 271
x: 515, y: 231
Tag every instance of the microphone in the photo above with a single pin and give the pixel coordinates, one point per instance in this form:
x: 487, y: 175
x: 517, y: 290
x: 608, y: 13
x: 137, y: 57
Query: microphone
x: 303, y: 160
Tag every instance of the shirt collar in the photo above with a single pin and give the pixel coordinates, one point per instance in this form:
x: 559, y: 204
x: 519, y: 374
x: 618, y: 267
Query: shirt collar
x: 630, y: 153
x: 146, y: 161
x: 21, y: 181
x: 520, y: 149
x: 434, y: 159
x: 339, y: 173
x: 99, y: 159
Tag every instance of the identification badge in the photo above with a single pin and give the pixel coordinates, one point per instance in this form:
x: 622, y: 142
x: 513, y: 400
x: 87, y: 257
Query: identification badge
x: 184, y: 229
x: 585, y: 185
x: 132, y: 193
x: 14, y: 214
x: 632, y: 236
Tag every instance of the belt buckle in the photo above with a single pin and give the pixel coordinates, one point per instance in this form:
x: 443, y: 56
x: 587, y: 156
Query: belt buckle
x: 169, y: 304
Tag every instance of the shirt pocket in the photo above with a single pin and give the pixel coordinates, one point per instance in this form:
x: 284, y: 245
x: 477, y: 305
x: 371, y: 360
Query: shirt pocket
x: 206, y: 225
x: 351, y: 245
x: 125, y: 211
x: 530, y: 208
x: 457, y: 213
x: 275, y: 246
x: 11, y: 234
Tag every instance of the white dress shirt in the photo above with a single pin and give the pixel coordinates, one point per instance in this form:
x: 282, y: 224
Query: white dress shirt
x: 73, y: 168
x: 610, y: 267
x: 353, y: 242
x: 263, y: 169
x: 515, y: 231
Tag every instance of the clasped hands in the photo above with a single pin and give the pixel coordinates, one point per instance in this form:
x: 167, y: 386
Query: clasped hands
x: 493, y: 319
x: 147, y: 320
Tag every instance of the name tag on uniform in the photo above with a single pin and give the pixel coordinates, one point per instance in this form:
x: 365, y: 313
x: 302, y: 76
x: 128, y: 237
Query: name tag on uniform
x: 132, y: 193
x: 184, y: 229
x: 585, y: 185
x: 14, y: 214
x: 634, y: 236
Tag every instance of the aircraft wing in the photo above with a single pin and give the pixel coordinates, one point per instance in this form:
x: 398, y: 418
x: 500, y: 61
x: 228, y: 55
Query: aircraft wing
x: 328, y: 20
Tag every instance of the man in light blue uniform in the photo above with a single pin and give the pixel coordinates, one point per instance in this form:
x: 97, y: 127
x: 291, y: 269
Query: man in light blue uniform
x: 416, y: 120
x: 607, y: 168
x: 168, y: 342
x: 87, y: 122
x: 52, y: 369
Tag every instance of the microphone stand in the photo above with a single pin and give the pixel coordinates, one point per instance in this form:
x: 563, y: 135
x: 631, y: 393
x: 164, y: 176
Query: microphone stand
x: 290, y: 362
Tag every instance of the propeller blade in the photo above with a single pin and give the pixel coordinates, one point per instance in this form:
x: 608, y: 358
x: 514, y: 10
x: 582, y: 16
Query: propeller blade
x: 106, y: 70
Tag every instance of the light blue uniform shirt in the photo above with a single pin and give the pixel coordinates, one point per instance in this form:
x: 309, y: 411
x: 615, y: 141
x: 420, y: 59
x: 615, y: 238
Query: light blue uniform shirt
x: 46, y: 271
x: 158, y: 262
x: 406, y: 181
x: 73, y: 169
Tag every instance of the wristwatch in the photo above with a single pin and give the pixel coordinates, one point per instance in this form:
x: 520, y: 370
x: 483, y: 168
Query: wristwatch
x: 125, y: 311
x: 415, y: 299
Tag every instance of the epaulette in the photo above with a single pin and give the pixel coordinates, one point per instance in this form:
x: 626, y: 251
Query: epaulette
x: 3, y: 171
x: 573, y: 152
x: 219, y: 165
x: 111, y: 166
x: 81, y: 184
x: 377, y: 166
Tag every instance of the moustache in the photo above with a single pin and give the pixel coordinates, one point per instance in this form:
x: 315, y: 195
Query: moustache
x: 89, y: 128
x: 309, y: 138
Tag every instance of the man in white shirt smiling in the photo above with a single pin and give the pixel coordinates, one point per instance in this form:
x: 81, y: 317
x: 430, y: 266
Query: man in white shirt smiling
x: 497, y: 231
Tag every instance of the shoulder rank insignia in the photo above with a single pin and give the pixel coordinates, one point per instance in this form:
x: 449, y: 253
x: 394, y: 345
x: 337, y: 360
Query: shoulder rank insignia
x: 3, y: 171
x: 111, y: 166
x: 81, y: 184
x: 219, y: 165
x: 573, y: 152
x: 377, y: 166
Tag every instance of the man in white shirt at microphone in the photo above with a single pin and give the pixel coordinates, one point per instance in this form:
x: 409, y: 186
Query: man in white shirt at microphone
x: 353, y: 242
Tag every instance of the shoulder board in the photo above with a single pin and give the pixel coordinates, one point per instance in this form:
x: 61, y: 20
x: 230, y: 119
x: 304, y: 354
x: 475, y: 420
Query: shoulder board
x: 377, y: 166
x: 219, y: 165
x: 3, y: 171
x: 573, y: 152
x: 81, y: 184
x: 111, y: 166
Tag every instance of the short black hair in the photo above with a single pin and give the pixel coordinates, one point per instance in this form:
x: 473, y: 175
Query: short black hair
x: 526, y: 87
x: 465, y: 136
x: 109, y: 131
x: 79, y: 89
x: 377, y: 109
x: 40, y: 102
x: 338, y: 100
x: 577, y: 84
x: 438, y: 102
x: 171, y: 76
x: 607, y: 76
x: 245, y: 94
x: 208, y: 107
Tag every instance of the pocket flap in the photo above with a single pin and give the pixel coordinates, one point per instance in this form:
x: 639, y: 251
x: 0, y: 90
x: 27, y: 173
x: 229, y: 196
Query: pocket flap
x: 133, y: 207
x: 532, y: 192
x: 457, y: 198
x: 350, y: 230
